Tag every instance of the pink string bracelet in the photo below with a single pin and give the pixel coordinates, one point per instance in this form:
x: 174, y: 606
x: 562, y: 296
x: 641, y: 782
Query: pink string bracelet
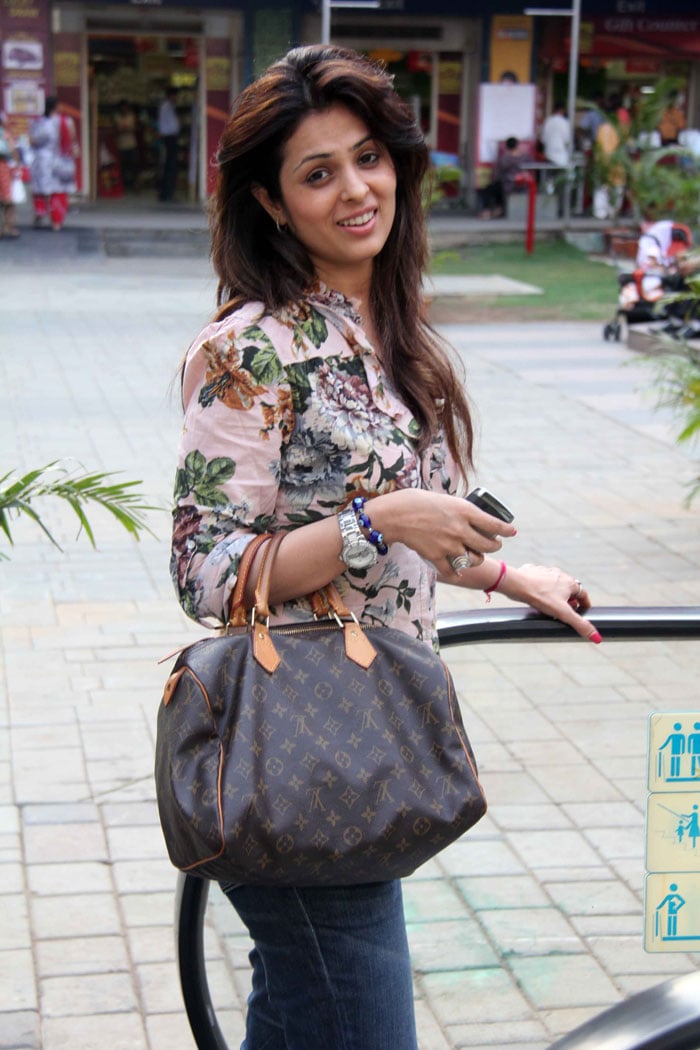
x: 488, y: 591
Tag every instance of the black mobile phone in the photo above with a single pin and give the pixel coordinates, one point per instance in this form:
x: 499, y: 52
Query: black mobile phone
x: 486, y: 500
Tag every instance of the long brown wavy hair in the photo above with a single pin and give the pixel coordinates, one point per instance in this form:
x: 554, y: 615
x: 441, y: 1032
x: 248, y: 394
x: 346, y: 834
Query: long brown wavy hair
x: 254, y: 262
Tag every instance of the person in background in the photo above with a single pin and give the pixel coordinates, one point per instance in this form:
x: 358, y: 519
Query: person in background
x: 321, y: 404
x: 616, y: 105
x: 672, y: 121
x: 556, y: 136
x: 53, y: 140
x: 609, y: 189
x: 590, y: 120
x: 127, y: 143
x: 494, y: 197
x: 8, y: 154
x: 168, y: 130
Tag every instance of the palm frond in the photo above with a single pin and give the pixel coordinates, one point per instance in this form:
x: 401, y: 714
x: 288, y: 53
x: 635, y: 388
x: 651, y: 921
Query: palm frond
x: 77, y: 488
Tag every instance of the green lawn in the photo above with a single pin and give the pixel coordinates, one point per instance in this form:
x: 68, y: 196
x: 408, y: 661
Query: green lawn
x: 575, y: 287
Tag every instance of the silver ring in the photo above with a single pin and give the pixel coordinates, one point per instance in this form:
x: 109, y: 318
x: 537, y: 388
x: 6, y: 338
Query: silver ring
x: 460, y: 561
x: 580, y: 588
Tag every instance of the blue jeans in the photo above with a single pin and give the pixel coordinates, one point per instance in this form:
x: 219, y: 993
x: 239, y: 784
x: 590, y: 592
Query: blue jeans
x: 331, y: 969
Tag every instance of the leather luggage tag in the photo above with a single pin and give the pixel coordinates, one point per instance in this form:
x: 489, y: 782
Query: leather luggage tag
x: 358, y: 647
x: 264, y: 650
x: 169, y: 687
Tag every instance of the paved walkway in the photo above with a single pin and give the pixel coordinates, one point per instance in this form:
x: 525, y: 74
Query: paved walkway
x: 521, y: 931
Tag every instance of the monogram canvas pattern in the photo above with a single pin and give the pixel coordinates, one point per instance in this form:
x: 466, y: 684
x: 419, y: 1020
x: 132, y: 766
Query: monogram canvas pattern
x: 319, y: 773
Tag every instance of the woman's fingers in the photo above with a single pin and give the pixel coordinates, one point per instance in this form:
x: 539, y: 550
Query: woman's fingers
x: 554, y: 593
x: 579, y: 623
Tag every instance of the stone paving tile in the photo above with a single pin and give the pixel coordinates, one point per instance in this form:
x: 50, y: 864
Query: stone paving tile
x: 151, y: 944
x: 149, y: 908
x: 172, y: 1032
x: 158, y: 984
x: 449, y: 945
x: 130, y: 814
x: 17, y: 979
x: 15, y: 921
x: 60, y: 813
x: 125, y: 1031
x: 20, y: 1030
x: 77, y: 915
x: 431, y: 901
x: 567, y: 783
x: 454, y: 996
x: 11, y: 871
x: 134, y: 843
x: 430, y: 1035
x: 474, y: 856
x: 600, y: 898
x: 62, y: 843
x: 604, y: 814
x: 45, y: 880
x: 72, y: 956
x: 547, y: 816
x: 80, y: 994
x: 564, y: 981
x: 565, y: 1020
x: 614, y: 843
x: 615, y: 925
x: 625, y: 955
x: 511, y: 1034
x: 512, y: 787
x: 530, y: 931
x: 502, y: 891
x: 540, y: 849
x: 144, y: 876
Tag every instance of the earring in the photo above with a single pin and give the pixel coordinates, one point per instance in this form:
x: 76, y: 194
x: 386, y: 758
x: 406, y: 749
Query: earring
x: 277, y: 224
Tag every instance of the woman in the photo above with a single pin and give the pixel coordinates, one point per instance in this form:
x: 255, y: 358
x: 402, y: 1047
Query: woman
x: 53, y: 168
x: 8, y: 154
x: 320, y: 383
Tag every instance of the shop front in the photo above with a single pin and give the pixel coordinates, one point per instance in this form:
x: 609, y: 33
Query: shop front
x: 149, y: 88
x: 113, y: 64
x: 625, y: 55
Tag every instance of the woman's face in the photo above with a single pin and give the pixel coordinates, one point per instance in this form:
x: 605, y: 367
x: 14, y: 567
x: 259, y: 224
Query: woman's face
x: 338, y: 196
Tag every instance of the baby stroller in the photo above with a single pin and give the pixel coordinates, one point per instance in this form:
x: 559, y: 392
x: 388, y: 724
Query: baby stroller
x: 655, y: 275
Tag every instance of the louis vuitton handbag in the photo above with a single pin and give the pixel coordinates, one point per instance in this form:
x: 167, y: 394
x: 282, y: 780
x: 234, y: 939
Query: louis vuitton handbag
x: 316, y: 753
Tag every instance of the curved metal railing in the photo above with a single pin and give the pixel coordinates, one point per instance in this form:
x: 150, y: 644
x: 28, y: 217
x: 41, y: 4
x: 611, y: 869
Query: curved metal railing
x: 665, y: 1017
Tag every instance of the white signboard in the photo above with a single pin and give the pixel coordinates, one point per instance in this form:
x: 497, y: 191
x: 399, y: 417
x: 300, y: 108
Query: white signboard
x: 504, y: 110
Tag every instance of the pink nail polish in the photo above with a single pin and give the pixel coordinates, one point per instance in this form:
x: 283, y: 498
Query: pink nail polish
x: 596, y: 638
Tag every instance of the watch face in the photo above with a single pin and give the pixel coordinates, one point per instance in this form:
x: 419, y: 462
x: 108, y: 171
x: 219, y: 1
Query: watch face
x: 359, y: 554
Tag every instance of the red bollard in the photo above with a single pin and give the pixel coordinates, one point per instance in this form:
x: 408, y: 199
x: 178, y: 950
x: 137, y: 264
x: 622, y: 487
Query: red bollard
x: 526, y: 178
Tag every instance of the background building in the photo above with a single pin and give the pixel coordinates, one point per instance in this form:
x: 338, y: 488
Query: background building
x: 442, y: 52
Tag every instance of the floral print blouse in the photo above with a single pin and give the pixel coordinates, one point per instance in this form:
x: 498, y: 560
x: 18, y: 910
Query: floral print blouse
x: 287, y: 417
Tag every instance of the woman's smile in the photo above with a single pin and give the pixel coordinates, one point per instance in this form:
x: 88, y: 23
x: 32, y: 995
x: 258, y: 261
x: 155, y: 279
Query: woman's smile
x: 359, y: 222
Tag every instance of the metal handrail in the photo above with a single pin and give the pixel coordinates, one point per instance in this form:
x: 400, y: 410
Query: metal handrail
x: 666, y: 1017
x: 616, y: 624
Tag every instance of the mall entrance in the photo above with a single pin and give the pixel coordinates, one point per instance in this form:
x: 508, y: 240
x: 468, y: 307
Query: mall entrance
x: 129, y: 77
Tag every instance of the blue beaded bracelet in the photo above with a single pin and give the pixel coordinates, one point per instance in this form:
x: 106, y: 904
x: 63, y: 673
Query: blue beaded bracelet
x: 374, y: 537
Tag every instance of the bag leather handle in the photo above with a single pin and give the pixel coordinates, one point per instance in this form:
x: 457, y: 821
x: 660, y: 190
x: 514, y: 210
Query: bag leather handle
x: 327, y: 600
x: 238, y: 613
x: 358, y: 647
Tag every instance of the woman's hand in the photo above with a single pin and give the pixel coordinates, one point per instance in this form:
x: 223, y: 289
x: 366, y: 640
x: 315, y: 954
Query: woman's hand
x: 438, y: 527
x: 553, y: 592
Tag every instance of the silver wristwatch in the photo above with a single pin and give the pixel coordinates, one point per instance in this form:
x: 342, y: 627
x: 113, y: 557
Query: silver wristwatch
x: 357, y: 552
